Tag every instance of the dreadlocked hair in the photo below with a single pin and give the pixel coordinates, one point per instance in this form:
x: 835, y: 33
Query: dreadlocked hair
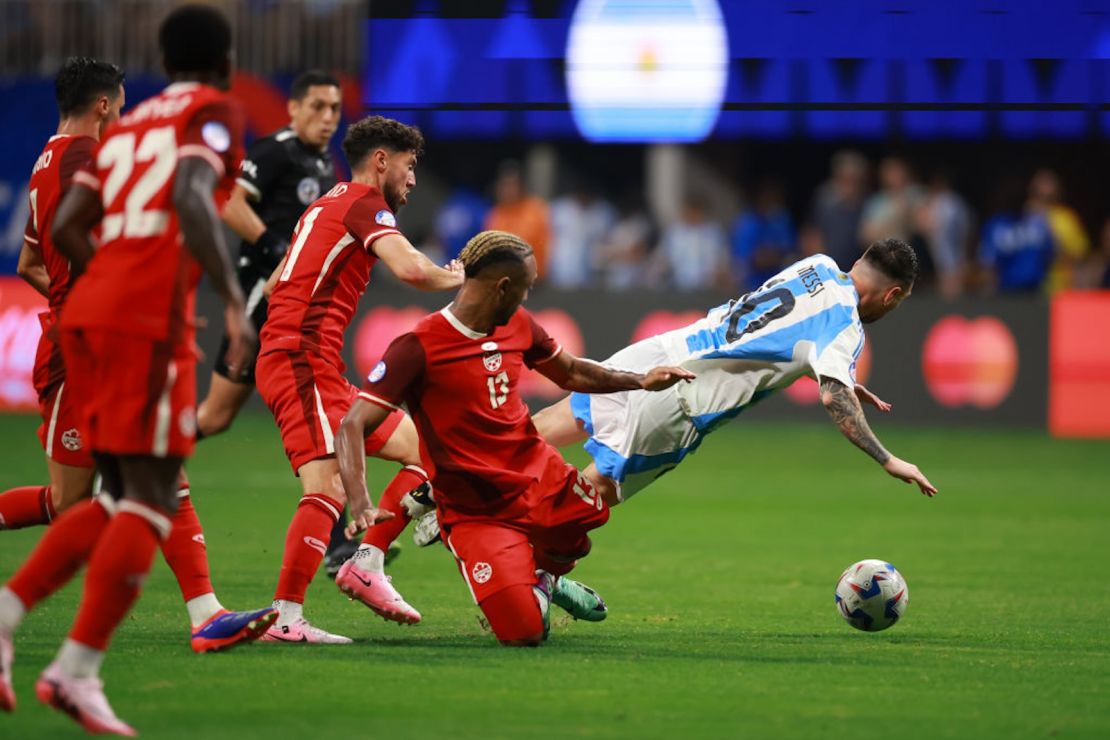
x: 490, y: 247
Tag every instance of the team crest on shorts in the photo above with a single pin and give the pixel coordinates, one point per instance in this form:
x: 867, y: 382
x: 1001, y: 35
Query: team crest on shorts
x: 71, y: 440
x: 308, y: 190
x: 385, y: 218
x: 481, y: 572
x: 492, y: 361
x: 187, y: 422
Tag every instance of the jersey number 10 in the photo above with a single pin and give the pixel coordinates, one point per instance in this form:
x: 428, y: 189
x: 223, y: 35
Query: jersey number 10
x: 749, y: 303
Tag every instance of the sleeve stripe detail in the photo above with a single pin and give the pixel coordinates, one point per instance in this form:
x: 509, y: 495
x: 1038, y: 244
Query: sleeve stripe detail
x: 30, y: 239
x: 378, y: 401
x: 249, y: 187
x: 552, y: 356
x: 377, y: 235
x: 84, y: 178
x: 196, y: 150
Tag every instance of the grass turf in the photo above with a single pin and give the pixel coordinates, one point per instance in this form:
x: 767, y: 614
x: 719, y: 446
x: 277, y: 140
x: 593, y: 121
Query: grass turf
x: 720, y: 584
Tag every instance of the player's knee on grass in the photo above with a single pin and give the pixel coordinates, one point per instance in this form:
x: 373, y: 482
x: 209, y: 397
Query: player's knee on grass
x: 514, y: 616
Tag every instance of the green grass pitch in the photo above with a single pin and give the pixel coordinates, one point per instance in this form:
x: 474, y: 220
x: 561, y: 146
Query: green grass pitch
x: 720, y: 585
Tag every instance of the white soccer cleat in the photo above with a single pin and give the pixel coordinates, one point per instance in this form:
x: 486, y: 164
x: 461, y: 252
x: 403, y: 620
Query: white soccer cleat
x: 302, y: 631
x: 426, y: 530
x: 82, y: 699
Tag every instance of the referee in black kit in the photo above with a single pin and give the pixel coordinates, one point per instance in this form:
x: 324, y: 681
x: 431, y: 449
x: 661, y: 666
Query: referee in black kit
x: 281, y: 175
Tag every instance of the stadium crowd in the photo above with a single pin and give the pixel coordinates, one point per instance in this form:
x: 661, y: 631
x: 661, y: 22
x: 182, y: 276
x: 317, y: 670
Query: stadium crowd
x: 1029, y: 240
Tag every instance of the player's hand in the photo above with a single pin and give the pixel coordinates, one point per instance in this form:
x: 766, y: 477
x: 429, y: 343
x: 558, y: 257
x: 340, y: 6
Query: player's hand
x: 458, y: 272
x: 364, y: 518
x: 242, y: 339
x: 661, y: 378
x: 866, y: 396
x: 909, y: 473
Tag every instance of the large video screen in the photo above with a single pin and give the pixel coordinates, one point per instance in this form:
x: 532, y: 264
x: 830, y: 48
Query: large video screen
x: 685, y: 70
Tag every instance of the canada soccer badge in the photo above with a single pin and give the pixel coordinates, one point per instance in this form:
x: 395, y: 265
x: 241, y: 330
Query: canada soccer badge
x: 492, y: 357
x: 482, y: 572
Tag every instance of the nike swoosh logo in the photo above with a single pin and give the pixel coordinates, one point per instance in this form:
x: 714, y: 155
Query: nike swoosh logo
x: 317, y: 545
x: 360, y: 579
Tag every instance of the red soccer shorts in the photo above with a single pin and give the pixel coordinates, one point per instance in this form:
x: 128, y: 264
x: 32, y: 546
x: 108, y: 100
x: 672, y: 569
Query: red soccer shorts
x: 493, y: 555
x: 62, y: 431
x: 308, y: 398
x: 138, y: 395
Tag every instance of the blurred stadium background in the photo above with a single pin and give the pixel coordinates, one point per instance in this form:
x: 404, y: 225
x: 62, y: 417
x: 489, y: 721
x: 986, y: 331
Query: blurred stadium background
x: 663, y: 172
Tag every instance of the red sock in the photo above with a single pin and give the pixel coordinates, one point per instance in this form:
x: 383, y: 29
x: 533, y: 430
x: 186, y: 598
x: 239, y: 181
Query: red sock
x: 26, y: 507
x: 382, y: 535
x: 185, y: 552
x: 305, y: 545
x: 64, y: 548
x: 119, y: 565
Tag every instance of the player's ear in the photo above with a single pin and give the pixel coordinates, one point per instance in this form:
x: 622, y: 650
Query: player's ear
x: 292, y: 106
x: 893, y: 293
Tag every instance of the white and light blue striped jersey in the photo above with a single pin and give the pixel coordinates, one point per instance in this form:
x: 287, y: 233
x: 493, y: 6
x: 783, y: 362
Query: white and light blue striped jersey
x: 803, y: 321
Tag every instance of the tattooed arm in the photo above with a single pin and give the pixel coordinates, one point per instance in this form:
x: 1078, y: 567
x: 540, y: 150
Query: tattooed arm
x: 846, y: 412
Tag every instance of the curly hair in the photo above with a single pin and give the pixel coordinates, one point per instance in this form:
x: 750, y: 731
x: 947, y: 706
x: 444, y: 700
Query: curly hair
x: 373, y: 132
x: 194, y: 38
x: 491, y: 247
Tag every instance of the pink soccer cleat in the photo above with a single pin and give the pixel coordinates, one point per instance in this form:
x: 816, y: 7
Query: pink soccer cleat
x: 83, y: 699
x: 7, y: 655
x: 376, y: 591
x: 302, y: 631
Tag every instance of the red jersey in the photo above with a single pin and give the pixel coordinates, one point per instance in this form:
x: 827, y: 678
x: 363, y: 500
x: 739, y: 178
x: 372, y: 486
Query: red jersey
x: 460, y: 388
x: 326, y: 271
x: 60, y: 160
x: 52, y: 175
x: 142, y: 279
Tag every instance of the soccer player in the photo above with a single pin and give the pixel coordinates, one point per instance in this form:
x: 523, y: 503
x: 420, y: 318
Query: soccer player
x: 90, y: 95
x: 806, y: 320
x: 300, y: 370
x: 127, y: 340
x: 513, y: 512
x: 281, y: 175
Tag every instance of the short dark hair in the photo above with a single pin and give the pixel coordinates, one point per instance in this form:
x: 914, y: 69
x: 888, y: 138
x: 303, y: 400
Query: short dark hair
x: 82, y: 80
x: 372, y: 132
x: 492, y: 247
x: 194, y: 38
x: 311, y: 78
x: 895, y: 259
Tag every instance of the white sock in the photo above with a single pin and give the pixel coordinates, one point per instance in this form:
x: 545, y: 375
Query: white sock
x: 288, y: 612
x: 202, y: 608
x: 79, y: 661
x: 369, y: 559
x: 12, y: 611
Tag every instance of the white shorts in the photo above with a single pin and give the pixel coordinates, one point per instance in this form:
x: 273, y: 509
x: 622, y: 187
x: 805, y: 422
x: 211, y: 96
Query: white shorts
x: 636, y: 436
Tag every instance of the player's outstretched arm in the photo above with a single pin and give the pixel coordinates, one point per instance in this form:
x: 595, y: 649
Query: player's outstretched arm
x: 78, y: 212
x: 586, y: 376
x: 846, y: 412
x: 194, y: 181
x: 361, y: 419
x: 33, y: 270
x: 411, y: 265
x: 264, y: 243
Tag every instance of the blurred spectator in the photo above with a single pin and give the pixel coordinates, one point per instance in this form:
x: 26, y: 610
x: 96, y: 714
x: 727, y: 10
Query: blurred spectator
x: 519, y: 213
x: 1016, y: 249
x: 890, y: 212
x: 694, y: 249
x: 580, y: 221
x: 1097, y: 271
x: 945, y: 222
x: 622, y: 258
x: 838, y: 206
x: 460, y: 217
x: 1068, y: 235
x: 762, y: 238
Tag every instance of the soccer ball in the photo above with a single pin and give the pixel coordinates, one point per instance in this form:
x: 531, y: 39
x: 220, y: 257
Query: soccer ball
x: 871, y: 595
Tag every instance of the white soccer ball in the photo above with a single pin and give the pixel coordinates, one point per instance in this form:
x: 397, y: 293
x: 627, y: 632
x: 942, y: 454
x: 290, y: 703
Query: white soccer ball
x: 871, y: 595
